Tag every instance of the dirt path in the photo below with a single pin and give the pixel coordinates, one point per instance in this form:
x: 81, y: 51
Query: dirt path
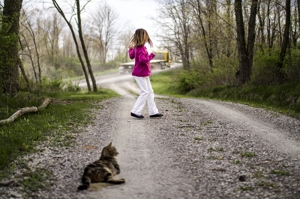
x: 145, y: 166
x: 199, y: 149
x: 157, y: 164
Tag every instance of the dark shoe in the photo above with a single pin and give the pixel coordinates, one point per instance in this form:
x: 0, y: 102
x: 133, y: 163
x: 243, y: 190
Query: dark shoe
x: 157, y: 115
x: 135, y: 115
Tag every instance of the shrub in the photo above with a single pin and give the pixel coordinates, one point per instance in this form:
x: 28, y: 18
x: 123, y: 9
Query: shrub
x: 264, y: 68
x: 188, y: 80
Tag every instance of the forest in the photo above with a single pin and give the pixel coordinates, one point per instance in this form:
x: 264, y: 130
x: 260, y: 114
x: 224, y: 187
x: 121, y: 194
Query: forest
x: 220, y: 43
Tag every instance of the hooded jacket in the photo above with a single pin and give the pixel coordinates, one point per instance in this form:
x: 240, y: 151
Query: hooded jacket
x: 142, y: 67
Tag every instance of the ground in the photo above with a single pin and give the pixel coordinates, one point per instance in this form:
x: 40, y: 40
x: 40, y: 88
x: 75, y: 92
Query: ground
x: 198, y: 149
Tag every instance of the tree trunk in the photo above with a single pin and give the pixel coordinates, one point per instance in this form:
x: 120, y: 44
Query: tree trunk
x: 285, y: 42
x: 245, y: 50
x: 9, y: 73
x: 84, y: 47
x: 23, y: 72
x: 298, y: 2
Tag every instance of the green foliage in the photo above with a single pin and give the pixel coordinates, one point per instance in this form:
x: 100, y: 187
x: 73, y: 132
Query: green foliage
x: 280, y: 172
x: 204, y: 77
x: 248, y: 154
x: 189, y: 80
x: 292, y: 66
x: 264, y: 68
x: 164, y: 82
x: 33, y: 181
x: 8, y: 53
x: 10, y: 104
x: 266, y: 65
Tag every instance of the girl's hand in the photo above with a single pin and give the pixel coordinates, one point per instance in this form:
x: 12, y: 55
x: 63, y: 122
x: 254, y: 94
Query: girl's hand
x: 130, y: 46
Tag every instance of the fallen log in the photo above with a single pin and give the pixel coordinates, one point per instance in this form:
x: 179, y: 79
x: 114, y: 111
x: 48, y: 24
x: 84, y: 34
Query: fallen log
x: 25, y: 110
x: 19, y: 113
x: 45, y: 103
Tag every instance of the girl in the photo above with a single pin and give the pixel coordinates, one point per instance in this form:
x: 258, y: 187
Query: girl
x: 141, y: 73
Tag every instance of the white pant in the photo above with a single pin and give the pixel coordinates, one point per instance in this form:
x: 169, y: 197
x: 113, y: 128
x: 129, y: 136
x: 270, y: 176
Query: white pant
x: 146, y: 94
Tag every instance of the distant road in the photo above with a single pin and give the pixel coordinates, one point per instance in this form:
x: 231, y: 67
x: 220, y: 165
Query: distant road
x: 116, y: 77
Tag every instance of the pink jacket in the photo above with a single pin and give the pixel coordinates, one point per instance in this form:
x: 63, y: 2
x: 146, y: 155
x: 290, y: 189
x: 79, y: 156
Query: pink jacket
x: 142, y: 67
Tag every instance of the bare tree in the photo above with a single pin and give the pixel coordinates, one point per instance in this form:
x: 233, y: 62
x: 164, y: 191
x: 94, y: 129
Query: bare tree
x: 203, y: 33
x: 61, y: 12
x: 28, y: 25
x: 54, y: 26
x: 104, y: 29
x: 177, y: 23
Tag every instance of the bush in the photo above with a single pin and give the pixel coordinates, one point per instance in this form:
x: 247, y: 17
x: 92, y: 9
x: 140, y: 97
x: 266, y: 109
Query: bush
x: 70, y: 87
x: 292, y: 66
x: 188, y: 80
x: 264, y: 68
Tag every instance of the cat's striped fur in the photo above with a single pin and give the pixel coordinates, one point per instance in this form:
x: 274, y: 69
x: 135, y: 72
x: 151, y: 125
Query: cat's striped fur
x: 102, y: 170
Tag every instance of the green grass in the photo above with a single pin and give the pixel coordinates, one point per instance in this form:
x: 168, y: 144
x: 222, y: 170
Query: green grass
x: 280, y: 172
x: 35, y: 180
x: 246, y: 154
x: 67, y: 112
x: 164, y: 83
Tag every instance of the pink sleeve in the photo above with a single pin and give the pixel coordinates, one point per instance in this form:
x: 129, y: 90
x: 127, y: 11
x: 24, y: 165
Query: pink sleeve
x: 131, y: 53
x: 144, y: 57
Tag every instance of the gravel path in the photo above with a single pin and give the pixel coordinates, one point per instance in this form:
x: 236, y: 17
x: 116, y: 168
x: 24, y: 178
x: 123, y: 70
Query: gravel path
x: 199, y: 149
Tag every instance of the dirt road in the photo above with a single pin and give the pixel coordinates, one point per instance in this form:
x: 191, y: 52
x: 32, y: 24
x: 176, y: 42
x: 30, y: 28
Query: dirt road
x: 203, y: 149
x: 198, y: 149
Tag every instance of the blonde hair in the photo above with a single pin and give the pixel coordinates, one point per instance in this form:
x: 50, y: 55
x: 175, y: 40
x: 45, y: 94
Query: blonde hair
x: 140, y: 37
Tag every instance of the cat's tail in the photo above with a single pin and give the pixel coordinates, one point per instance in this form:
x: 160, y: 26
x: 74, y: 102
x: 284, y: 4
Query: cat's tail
x: 86, y: 182
x: 116, y: 181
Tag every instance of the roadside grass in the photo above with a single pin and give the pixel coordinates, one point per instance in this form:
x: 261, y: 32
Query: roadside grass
x: 283, y: 98
x: 67, y: 112
x: 164, y: 83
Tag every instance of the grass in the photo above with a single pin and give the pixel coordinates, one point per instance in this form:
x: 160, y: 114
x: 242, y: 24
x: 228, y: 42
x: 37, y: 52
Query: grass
x: 163, y: 83
x: 246, y: 154
x: 215, y: 149
x: 35, y: 180
x: 67, y: 112
x: 280, y: 172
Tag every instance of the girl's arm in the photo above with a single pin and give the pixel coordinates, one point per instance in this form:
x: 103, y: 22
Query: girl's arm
x: 144, y: 57
x: 131, y: 53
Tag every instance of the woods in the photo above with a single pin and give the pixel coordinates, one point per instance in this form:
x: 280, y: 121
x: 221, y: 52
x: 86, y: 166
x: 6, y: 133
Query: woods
x: 218, y: 42
x: 232, y: 42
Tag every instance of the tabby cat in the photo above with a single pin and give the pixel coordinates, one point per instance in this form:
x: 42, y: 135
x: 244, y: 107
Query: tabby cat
x: 102, y: 170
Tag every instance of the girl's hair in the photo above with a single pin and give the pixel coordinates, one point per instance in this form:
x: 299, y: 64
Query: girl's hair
x: 140, y: 37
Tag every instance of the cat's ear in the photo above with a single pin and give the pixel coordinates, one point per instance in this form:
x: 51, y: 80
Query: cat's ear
x: 110, y: 144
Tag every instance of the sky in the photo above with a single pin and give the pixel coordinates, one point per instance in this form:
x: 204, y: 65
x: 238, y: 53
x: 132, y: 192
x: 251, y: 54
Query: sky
x: 136, y: 12
x: 133, y: 13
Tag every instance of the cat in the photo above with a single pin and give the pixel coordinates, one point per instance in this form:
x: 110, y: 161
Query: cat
x: 102, y: 170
